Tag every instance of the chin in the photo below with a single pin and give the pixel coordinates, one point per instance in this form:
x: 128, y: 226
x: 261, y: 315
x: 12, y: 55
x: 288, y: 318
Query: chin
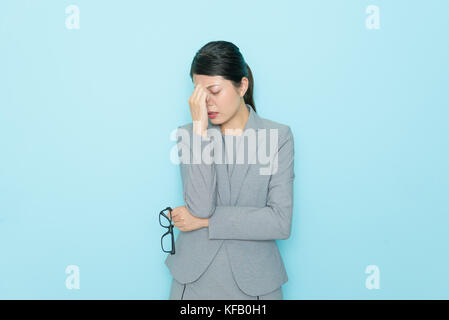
x: 214, y: 121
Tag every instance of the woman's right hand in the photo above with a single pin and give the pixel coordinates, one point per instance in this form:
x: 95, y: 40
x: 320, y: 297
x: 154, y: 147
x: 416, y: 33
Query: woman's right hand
x: 198, y: 110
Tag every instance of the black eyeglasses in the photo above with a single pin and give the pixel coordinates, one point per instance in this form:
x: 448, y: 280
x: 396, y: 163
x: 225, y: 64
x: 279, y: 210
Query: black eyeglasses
x: 168, y: 245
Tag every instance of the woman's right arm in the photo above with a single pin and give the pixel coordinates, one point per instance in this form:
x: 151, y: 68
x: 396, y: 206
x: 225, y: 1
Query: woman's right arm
x: 199, y: 178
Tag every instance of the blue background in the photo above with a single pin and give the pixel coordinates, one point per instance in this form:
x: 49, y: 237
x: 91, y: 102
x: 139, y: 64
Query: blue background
x: 86, y: 116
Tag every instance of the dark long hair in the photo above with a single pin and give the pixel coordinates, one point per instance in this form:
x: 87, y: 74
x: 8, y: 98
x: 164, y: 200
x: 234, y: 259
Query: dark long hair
x: 223, y: 58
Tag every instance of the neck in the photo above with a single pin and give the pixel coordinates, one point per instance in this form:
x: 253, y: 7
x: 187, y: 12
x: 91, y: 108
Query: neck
x: 235, y: 125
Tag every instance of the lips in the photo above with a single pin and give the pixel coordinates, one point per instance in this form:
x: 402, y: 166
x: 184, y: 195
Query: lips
x: 212, y: 115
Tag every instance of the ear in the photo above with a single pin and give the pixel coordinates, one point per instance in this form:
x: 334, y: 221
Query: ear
x: 244, y: 86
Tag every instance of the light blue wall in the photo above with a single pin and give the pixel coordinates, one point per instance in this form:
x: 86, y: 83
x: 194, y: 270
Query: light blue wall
x: 86, y: 116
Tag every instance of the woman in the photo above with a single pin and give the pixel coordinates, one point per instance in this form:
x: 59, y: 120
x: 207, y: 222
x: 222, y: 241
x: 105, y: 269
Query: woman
x: 234, y: 210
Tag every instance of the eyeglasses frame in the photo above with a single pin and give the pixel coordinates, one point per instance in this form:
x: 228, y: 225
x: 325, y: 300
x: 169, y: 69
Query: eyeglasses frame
x: 170, y: 230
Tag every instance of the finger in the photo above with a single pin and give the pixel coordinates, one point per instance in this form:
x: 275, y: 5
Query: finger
x: 198, y: 95
x: 203, y: 95
x: 179, y: 219
x: 196, y: 91
x: 178, y: 224
x: 203, y: 91
x: 201, y: 102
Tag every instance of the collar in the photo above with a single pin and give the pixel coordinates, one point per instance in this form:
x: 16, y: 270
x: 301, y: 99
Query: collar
x: 253, y: 121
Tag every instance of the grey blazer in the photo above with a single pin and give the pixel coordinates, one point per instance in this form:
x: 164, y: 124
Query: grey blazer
x: 248, y: 211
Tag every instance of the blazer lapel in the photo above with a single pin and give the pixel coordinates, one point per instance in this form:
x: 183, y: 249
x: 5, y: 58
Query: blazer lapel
x: 241, y: 170
x: 224, y: 187
x: 235, y: 181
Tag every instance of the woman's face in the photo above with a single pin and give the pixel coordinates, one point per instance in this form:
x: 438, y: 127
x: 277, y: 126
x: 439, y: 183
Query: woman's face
x: 223, y: 97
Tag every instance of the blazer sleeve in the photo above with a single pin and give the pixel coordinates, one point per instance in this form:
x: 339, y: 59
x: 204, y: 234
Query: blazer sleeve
x: 262, y: 223
x: 199, y: 178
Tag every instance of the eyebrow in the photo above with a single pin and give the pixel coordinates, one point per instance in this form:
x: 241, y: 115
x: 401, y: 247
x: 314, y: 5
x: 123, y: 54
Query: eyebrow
x: 212, y: 85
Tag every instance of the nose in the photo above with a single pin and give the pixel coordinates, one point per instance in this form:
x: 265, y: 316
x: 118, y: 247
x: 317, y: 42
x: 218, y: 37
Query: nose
x: 208, y: 99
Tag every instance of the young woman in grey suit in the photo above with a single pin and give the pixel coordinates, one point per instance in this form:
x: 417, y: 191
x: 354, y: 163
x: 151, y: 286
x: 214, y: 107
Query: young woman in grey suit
x: 234, y: 210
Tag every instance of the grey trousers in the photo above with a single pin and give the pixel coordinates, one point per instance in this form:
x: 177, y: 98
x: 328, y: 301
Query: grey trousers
x: 217, y: 283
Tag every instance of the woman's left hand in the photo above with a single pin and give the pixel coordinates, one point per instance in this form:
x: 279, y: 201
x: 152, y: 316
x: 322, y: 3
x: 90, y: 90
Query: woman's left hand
x: 185, y: 221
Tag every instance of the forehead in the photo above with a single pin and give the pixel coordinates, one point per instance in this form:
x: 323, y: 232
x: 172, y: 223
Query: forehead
x: 207, y: 80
